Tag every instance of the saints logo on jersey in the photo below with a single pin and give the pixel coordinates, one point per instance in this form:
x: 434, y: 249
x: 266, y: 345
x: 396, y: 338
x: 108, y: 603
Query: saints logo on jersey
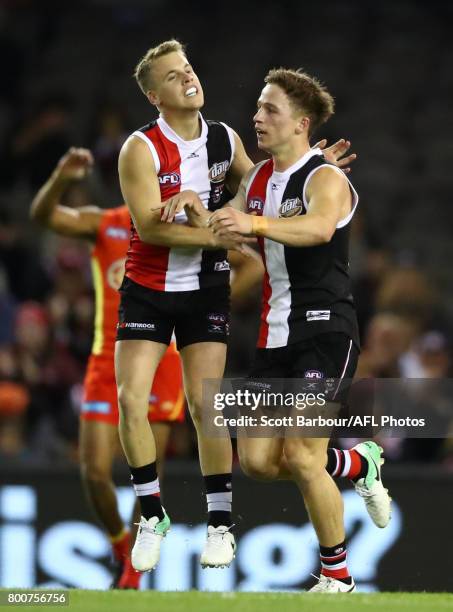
x: 290, y: 208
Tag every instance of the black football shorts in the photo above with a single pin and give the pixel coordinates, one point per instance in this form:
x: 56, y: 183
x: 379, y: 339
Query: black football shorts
x: 195, y: 316
x: 325, y: 362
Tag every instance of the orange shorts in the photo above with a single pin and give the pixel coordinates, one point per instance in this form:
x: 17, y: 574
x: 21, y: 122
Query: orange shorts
x: 166, y: 402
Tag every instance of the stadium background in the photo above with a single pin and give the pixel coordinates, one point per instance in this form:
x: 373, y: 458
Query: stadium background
x: 66, y: 79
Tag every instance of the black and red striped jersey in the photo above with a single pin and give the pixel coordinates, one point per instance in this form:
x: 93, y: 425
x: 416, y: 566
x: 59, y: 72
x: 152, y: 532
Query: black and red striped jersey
x: 306, y: 290
x: 200, y: 165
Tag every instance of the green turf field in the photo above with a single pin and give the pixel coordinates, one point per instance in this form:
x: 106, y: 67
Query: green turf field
x: 149, y: 601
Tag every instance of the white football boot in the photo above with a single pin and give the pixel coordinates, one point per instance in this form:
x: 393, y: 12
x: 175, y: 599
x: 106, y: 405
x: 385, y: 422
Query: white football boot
x: 326, y: 584
x: 146, y: 551
x: 219, y: 548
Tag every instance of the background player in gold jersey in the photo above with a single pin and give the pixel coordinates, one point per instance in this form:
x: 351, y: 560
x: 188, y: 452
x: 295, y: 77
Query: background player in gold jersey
x: 107, y: 233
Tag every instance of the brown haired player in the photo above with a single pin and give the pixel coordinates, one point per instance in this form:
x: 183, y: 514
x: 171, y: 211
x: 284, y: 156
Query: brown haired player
x: 107, y: 231
x: 300, y: 207
x: 308, y: 320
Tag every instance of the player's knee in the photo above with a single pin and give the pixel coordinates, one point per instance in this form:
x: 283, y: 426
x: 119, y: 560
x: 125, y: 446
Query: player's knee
x: 133, y: 406
x: 195, y: 405
x: 303, y: 460
x: 94, y: 474
x: 258, y: 468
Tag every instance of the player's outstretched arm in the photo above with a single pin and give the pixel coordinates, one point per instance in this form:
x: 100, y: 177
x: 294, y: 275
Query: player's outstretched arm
x: 237, y: 179
x: 141, y: 192
x: 329, y: 201
x: 46, y: 208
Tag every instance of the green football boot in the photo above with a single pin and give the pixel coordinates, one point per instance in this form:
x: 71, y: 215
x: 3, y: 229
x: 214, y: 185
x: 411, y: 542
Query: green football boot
x: 370, y: 488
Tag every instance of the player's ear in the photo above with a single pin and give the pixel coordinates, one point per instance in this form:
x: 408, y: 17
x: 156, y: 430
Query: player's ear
x: 302, y: 125
x: 153, y: 97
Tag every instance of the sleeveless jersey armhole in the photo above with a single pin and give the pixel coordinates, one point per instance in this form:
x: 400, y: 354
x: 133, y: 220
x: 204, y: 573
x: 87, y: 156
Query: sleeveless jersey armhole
x: 151, y: 147
x: 355, y: 196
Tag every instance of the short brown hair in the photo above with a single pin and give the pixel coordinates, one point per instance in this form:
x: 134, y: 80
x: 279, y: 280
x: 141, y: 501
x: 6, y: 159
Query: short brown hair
x: 142, y: 72
x: 305, y: 93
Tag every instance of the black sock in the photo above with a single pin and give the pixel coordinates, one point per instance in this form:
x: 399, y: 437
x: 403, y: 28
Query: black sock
x: 332, y: 461
x: 219, y: 499
x: 146, y: 485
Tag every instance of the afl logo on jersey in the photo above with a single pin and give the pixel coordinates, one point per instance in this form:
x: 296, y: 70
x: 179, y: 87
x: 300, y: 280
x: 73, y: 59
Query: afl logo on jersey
x: 172, y: 178
x: 217, y: 172
x: 117, y: 233
x: 290, y: 208
x: 115, y: 273
x: 255, y: 206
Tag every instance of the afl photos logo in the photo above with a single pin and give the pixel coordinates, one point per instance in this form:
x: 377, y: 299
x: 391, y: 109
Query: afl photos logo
x: 217, y: 172
x: 290, y: 208
x: 115, y: 273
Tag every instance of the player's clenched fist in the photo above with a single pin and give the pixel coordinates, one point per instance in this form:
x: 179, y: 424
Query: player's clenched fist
x: 75, y: 164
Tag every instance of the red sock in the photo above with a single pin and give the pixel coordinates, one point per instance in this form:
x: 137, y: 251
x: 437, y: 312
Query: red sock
x: 333, y: 561
x: 345, y: 463
x: 121, y: 546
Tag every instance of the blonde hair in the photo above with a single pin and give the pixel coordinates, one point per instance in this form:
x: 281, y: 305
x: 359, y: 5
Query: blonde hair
x: 305, y: 93
x: 143, y: 70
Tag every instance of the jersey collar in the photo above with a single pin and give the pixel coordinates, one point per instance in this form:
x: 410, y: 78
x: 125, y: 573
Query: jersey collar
x: 296, y: 166
x: 173, y: 136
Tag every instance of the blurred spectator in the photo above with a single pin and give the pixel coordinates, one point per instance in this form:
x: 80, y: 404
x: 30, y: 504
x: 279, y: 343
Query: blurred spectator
x: 388, y: 337
x: 369, y: 263
x: 13, y: 61
x: 47, y: 371
x: 6, y: 311
x: 408, y: 291
x: 70, y: 304
x: 110, y: 133
x: 429, y: 357
x: 39, y: 139
x: 20, y: 264
x: 394, y: 348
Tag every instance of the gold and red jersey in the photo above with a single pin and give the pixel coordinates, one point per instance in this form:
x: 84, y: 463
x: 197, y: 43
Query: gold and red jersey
x: 100, y: 401
x: 108, y: 259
